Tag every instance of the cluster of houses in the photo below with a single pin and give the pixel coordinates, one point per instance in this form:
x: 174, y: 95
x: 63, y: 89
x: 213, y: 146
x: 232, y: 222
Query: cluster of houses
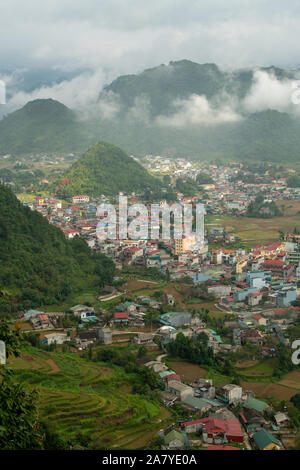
x: 221, y: 418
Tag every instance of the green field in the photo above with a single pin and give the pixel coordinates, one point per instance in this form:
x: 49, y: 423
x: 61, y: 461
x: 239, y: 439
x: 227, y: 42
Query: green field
x: 262, y: 370
x: 253, y: 230
x: 80, y: 396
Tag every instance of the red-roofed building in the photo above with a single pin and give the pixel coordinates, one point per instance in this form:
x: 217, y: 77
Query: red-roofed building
x: 278, y: 268
x: 259, y: 320
x: 213, y: 428
x: 121, y: 317
x: 171, y: 377
x: 44, y: 320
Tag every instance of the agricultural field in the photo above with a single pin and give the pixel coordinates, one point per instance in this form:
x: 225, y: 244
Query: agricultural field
x: 262, y: 369
x: 269, y: 389
x: 188, y: 372
x: 80, y: 396
x: 254, y: 230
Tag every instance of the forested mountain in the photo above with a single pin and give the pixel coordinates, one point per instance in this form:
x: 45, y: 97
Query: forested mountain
x: 179, y: 109
x: 42, y: 126
x: 106, y: 169
x: 38, y: 265
x: 164, y: 84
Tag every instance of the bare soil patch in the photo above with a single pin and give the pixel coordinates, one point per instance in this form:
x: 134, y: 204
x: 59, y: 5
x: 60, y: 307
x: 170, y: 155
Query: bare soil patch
x: 53, y: 365
x: 268, y: 389
x: 187, y: 371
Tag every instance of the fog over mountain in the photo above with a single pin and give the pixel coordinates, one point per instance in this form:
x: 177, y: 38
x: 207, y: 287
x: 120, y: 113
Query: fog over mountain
x: 182, y: 108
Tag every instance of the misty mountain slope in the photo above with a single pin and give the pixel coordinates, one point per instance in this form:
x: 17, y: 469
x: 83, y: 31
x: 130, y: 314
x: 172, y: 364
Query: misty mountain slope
x: 165, y: 83
x: 106, y: 169
x: 180, y: 109
x: 181, y: 79
x: 42, y: 125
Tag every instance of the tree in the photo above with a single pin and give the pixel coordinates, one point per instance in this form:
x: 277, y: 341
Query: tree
x: 142, y: 351
x: 19, y: 424
x: 296, y: 400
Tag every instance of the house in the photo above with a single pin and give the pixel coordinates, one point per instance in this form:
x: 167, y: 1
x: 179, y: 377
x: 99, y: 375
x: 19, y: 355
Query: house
x: 241, y: 295
x: 219, y: 431
x: 175, y: 319
x: 121, y: 317
x: 252, y: 336
x: 144, y: 338
x: 180, y: 390
x: 43, y: 320
x: 90, y: 335
x: 80, y: 199
x: 259, y: 320
x: 219, y: 290
x: 255, y: 404
x: 254, y: 299
x: 81, y: 310
x: 264, y: 440
x: 170, y: 378
x: 58, y: 338
x: 167, y: 398
x: 200, y: 404
x: 286, y: 296
x: 174, y: 440
x: 71, y: 233
x: 157, y: 366
x: 233, y: 393
x: 104, y: 334
x: 259, y: 279
x: 281, y: 418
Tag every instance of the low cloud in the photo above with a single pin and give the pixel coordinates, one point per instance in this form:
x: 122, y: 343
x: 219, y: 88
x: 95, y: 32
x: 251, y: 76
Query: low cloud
x: 267, y: 92
x: 80, y: 94
x: 198, y: 110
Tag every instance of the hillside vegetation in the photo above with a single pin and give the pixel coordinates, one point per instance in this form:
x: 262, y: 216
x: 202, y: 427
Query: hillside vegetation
x: 42, y: 125
x: 106, y: 169
x: 38, y: 265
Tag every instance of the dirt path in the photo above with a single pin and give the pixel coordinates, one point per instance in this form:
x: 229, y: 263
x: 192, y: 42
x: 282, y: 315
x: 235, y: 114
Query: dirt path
x: 53, y: 366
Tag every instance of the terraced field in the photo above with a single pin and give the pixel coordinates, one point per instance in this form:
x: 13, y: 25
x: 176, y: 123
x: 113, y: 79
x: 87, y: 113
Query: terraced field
x: 80, y: 396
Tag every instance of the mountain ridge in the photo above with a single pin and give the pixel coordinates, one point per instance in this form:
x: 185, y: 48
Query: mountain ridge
x: 147, y: 110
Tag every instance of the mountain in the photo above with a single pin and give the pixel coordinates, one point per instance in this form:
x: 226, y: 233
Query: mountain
x: 38, y: 265
x: 163, y: 85
x: 42, y: 125
x: 179, y: 109
x: 106, y: 169
x: 199, y: 111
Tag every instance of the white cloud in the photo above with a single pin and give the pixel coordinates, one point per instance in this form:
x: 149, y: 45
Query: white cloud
x: 130, y: 36
x: 80, y: 94
x: 268, y: 92
x: 197, y: 110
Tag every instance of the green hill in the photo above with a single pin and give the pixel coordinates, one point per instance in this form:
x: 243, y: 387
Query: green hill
x: 42, y: 125
x: 106, y: 169
x: 38, y: 265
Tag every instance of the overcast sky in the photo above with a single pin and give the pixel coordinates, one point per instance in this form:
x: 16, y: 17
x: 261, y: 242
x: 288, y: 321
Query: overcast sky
x: 106, y: 38
x: 126, y: 36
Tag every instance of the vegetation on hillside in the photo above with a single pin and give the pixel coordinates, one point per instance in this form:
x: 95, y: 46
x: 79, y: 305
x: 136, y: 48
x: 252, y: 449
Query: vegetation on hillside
x: 42, y: 125
x: 106, y: 169
x: 38, y: 265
